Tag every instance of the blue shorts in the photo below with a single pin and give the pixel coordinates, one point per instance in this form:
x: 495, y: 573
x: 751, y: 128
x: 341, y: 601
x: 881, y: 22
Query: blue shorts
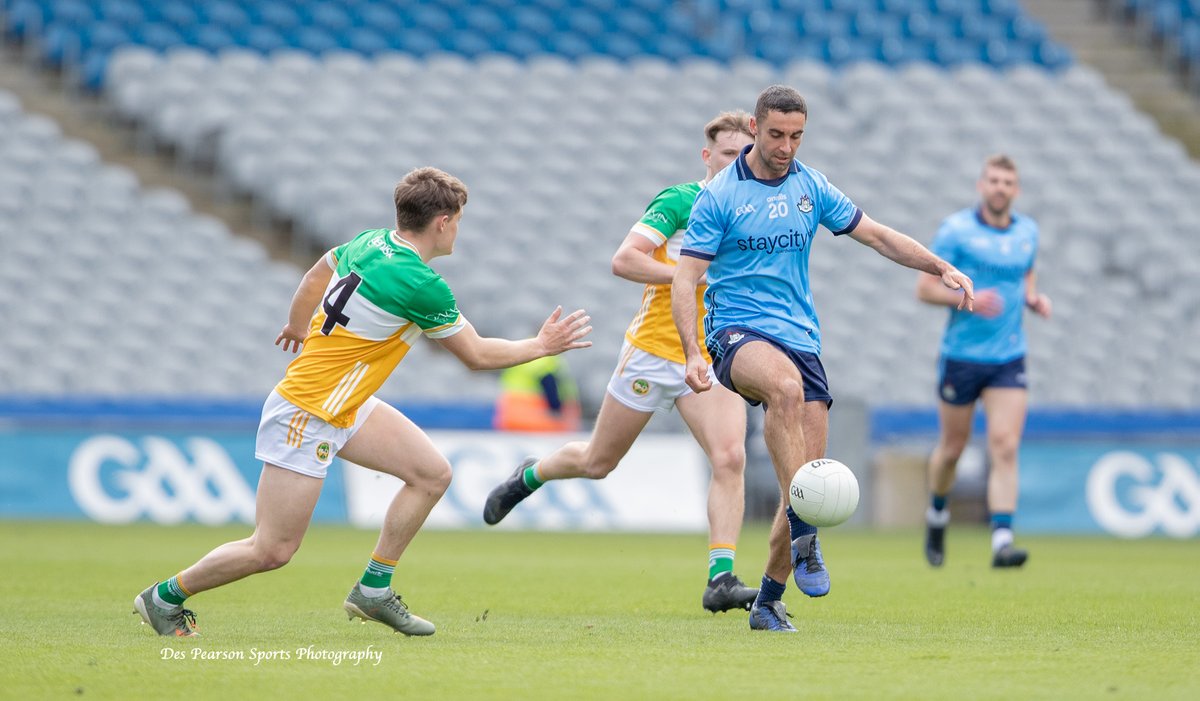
x: 961, y: 382
x: 724, y: 343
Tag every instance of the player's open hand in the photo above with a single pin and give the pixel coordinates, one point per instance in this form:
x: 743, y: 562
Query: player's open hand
x: 696, y: 374
x: 561, y: 333
x: 291, y: 338
x: 956, y: 280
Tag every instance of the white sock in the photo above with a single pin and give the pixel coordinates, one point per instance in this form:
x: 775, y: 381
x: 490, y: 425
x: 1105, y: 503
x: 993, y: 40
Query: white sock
x: 1001, y: 537
x: 372, y: 592
x: 937, y: 519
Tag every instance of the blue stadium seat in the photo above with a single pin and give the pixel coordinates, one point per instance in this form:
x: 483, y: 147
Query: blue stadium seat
x: 876, y: 26
x: 952, y: 51
x: 177, y: 13
x: 534, y: 20
x: 329, y: 16
x: 929, y: 28
x: 519, y: 43
x: 585, y: 23
x: 897, y: 50
x: 620, y: 46
x: 276, y: 15
x: 569, y: 45
x: 158, y: 36
x: 1026, y: 29
x: 263, y: 39
x: 313, y: 39
x: 415, y: 40
x: 365, y: 40
x: 634, y: 23
x: 431, y: 18
x: 24, y: 18
x: 224, y: 14
x: 210, y: 37
x: 842, y: 50
x: 1051, y: 55
x: 379, y: 17
x: 124, y: 13
x: 483, y: 20
x: 466, y: 42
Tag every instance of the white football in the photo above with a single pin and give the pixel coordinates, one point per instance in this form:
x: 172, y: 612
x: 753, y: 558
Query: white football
x: 824, y: 492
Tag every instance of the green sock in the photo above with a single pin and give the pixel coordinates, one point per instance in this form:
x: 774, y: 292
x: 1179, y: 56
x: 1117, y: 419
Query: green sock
x: 172, y: 592
x: 378, y: 574
x: 530, y: 477
x: 720, y: 559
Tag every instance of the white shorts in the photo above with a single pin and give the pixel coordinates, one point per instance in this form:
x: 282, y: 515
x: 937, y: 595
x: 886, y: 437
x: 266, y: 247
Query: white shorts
x: 292, y: 438
x: 646, y: 382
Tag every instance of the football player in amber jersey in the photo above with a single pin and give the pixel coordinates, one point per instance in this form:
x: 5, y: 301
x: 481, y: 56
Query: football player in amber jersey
x: 353, y: 318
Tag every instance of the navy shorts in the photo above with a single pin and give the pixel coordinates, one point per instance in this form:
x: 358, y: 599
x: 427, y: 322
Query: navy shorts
x: 961, y: 381
x: 724, y: 343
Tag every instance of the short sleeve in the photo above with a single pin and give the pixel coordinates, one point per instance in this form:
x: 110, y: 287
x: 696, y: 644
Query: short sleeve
x: 838, y: 213
x: 706, y: 227
x: 664, y: 216
x: 434, y: 309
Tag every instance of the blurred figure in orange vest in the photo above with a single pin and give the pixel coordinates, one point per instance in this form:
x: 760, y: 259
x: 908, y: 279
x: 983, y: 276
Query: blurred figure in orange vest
x: 538, y: 396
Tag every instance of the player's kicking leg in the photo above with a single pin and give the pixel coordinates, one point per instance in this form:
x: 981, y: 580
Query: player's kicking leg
x: 390, y: 443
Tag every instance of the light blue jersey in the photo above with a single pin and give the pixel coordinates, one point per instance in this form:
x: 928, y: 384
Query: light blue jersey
x: 996, y: 259
x: 756, y: 235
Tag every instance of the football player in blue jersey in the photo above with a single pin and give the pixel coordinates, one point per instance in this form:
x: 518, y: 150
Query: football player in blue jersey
x: 983, y: 352
x: 750, y: 234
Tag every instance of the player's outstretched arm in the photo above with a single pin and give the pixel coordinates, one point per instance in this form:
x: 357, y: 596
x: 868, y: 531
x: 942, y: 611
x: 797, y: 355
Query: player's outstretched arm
x: 304, y: 304
x: 906, y: 251
x: 688, y: 274
x: 558, y: 334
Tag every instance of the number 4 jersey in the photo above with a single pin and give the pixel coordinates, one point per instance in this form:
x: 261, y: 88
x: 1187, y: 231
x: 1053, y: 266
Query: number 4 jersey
x: 381, y: 298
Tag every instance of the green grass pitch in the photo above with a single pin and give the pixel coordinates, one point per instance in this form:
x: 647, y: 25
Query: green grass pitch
x: 591, y: 616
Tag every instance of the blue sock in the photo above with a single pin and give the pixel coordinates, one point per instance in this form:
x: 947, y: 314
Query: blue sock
x: 769, y: 590
x: 798, y: 526
x: 1002, y: 520
x: 938, y: 502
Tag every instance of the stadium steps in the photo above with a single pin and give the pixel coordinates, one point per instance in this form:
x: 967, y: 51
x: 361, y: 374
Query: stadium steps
x: 1126, y: 65
x: 88, y: 119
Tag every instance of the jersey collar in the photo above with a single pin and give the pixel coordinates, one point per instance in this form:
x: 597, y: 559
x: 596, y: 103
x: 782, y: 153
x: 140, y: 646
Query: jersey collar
x: 1012, y: 220
x: 744, y: 172
x: 397, y: 240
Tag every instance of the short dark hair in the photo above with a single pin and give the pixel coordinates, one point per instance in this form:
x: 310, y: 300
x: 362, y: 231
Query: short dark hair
x: 779, y: 98
x: 736, y: 121
x: 426, y: 193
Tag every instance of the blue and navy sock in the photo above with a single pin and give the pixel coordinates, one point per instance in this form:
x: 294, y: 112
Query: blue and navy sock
x: 769, y: 590
x: 1002, y: 533
x: 938, y: 502
x: 798, y: 526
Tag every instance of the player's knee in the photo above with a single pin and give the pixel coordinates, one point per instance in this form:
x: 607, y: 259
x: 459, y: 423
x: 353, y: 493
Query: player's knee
x: 598, y: 467
x: 275, y: 555
x: 788, y: 395
x: 1003, y: 448
x: 728, y: 460
x: 436, y: 478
